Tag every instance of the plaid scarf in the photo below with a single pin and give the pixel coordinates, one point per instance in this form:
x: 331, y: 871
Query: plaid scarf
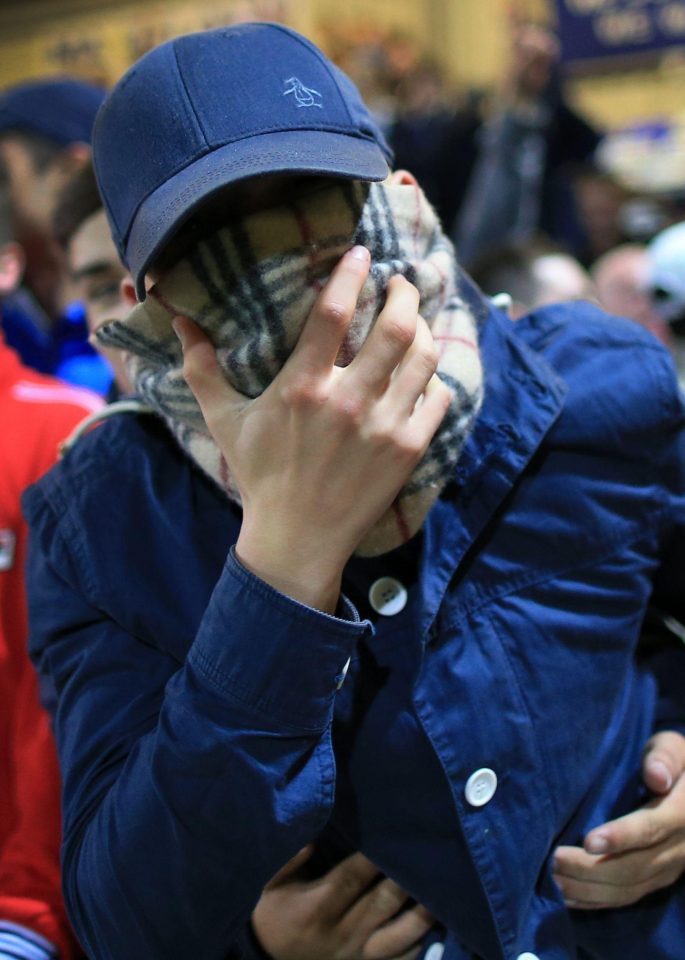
x: 250, y: 287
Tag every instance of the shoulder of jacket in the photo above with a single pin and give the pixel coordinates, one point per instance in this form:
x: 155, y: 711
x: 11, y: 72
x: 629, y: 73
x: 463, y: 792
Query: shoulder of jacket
x: 107, y: 451
x: 98, y: 416
x: 583, y: 322
x: 572, y: 336
x: 612, y: 366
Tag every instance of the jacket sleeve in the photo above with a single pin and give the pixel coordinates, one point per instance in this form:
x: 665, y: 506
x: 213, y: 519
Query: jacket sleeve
x: 186, y: 785
x: 39, y: 413
x: 662, y: 645
x: 633, y: 389
x: 33, y: 922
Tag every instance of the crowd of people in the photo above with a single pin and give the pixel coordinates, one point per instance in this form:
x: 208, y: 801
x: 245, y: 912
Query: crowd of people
x: 351, y: 622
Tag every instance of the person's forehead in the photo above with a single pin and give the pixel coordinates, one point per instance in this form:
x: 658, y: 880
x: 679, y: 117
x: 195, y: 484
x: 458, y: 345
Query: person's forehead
x: 92, y: 245
x: 629, y: 266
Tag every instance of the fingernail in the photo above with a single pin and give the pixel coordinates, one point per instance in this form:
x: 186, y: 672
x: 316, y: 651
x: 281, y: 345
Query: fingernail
x: 659, y: 769
x: 360, y: 253
x: 597, y: 843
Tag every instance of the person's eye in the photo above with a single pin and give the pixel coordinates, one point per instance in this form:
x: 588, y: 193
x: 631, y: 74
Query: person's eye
x: 103, y: 292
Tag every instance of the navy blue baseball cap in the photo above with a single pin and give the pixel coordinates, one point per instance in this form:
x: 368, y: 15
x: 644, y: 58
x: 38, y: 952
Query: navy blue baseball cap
x: 61, y: 109
x: 209, y: 109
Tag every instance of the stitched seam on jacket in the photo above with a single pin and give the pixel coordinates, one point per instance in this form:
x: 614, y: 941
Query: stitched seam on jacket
x: 264, y: 706
x: 298, y: 612
x: 484, y: 597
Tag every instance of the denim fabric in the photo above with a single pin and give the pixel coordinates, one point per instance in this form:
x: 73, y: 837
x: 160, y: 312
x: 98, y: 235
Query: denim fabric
x: 204, y: 736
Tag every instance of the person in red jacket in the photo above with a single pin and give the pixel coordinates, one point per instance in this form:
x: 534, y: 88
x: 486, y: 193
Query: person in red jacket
x: 36, y: 413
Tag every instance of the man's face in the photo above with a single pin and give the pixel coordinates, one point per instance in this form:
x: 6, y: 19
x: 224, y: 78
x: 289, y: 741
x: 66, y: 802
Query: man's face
x: 96, y: 274
x: 231, y: 205
x: 33, y: 192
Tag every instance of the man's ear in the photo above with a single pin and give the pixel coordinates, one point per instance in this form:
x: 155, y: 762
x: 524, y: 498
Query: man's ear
x: 128, y: 290
x: 402, y: 178
x: 12, y: 261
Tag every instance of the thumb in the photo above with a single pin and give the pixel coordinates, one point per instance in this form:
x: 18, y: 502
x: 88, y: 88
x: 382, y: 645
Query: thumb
x: 287, y: 872
x: 663, y: 761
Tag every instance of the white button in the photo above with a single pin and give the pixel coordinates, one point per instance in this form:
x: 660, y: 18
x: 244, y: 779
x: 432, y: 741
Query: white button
x: 435, y: 952
x: 480, y: 788
x: 344, y: 672
x: 527, y: 956
x: 387, y: 596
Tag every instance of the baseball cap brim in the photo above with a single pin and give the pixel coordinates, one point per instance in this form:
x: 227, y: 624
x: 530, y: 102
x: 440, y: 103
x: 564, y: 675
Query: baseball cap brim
x: 59, y: 109
x: 294, y: 151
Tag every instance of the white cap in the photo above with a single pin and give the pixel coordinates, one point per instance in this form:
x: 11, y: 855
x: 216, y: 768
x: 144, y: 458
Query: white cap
x: 666, y: 272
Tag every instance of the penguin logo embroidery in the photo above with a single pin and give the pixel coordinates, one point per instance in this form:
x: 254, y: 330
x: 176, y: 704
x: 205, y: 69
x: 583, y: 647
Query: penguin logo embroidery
x: 304, y: 96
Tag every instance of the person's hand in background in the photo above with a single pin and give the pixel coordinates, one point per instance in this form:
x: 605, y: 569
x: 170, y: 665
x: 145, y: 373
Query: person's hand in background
x: 623, y: 860
x: 352, y: 912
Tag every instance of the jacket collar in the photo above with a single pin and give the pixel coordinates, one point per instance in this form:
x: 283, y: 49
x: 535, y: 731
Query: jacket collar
x: 524, y: 397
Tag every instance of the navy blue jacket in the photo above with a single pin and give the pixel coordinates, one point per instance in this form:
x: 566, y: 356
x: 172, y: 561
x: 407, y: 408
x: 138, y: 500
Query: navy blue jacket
x: 205, y: 730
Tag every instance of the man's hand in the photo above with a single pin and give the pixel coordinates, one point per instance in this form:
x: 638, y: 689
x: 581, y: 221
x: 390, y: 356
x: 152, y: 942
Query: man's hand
x: 321, y: 454
x: 351, y: 913
x: 622, y: 861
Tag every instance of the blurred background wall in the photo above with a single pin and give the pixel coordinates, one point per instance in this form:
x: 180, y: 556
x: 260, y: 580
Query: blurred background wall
x: 596, y: 165
x: 97, y: 39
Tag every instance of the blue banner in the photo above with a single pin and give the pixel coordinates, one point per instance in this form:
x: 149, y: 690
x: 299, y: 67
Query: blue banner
x: 591, y: 30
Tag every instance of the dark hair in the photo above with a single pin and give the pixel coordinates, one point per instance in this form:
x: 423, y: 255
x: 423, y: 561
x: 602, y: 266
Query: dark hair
x: 79, y: 199
x: 510, y: 269
x: 42, y: 150
x: 7, y: 234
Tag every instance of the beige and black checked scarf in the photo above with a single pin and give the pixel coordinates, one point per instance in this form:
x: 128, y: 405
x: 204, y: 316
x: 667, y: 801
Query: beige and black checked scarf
x: 250, y: 287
